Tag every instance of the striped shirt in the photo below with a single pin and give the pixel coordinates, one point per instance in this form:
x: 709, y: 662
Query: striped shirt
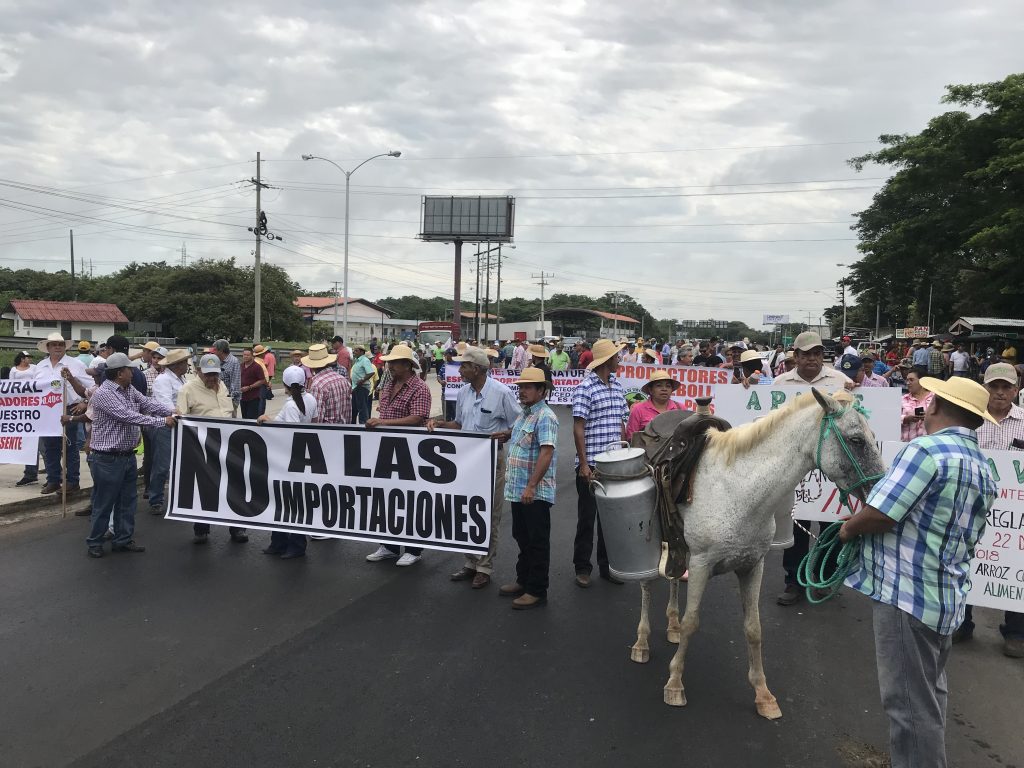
x: 231, y: 375
x: 1000, y: 436
x: 118, y: 412
x: 939, y: 491
x: 333, y: 394
x: 604, y: 408
x: 535, y: 427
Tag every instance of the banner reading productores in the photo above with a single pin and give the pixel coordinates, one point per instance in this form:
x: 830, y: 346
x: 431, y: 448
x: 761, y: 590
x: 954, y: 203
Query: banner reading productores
x: 29, y: 409
x: 394, y: 486
x: 565, y: 382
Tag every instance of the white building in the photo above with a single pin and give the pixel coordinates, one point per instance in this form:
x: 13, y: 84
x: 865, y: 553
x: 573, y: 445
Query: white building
x: 74, y: 320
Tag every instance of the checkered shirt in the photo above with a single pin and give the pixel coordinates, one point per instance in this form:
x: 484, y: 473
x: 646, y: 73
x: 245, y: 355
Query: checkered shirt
x: 117, y: 414
x: 150, y: 373
x: 333, y: 394
x: 231, y: 375
x: 939, y: 491
x: 605, y: 410
x: 413, y: 399
x: 536, y: 426
x: 1000, y: 436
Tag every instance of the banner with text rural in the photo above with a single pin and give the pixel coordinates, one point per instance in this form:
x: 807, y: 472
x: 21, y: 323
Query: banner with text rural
x: 29, y: 409
x: 394, y: 486
x: 997, y: 570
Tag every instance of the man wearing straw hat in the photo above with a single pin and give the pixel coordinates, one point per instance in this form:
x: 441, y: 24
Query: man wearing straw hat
x: 599, y: 413
x: 52, y: 366
x: 165, y: 391
x: 332, y: 389
x: 483, y: 405
x: 919, y: 528
x: 404, y: 402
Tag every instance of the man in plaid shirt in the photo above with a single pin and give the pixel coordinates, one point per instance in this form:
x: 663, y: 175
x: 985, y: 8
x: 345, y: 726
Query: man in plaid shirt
x: 332, y: 390
x: 919, y: 527
x: 599, y: 413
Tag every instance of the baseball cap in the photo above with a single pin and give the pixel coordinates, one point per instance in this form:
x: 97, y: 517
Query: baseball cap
x: 1001, y: 372
x: 84, y: 345
x: 293, y: 375
x: 475, y: 356
x: 208, y: 364
x: 807, y: 341
x: 118, y: 360
x: 849, y: 364
x: 846, y: 338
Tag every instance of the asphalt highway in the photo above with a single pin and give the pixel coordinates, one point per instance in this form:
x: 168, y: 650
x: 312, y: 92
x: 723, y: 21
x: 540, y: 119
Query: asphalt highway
x: 222, y: 656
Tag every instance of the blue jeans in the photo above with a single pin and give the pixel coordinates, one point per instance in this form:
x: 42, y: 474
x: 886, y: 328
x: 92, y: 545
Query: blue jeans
x: 51, y: 448
x: 114, y: 492
x: 160, y: 440
x: 360, y: 405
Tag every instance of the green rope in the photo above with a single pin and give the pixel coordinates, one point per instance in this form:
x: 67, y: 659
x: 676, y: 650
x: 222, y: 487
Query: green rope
x: 811, y: 573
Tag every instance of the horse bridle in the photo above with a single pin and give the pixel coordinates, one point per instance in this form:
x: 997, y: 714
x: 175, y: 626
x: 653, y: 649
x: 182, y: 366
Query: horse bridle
x: 828, y: 426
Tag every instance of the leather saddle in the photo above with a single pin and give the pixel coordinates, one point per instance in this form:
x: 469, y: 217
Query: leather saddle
x: 674, y: 441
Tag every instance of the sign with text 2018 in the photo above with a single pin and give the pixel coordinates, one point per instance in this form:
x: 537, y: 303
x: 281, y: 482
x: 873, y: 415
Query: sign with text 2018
x: 394, y: 486
x: 997, y: 570
x: 29, y: 409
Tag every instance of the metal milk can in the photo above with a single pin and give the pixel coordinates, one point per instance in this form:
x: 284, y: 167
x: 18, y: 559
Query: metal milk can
x: 626, y: 494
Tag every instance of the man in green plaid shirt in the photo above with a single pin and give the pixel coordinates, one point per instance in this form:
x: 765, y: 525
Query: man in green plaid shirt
x: 919, y: 527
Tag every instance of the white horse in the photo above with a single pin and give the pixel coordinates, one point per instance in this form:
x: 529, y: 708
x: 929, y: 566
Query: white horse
x: 744, y: 478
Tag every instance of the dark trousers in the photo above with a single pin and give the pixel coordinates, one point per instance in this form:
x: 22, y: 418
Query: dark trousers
x: 200, y: 528
x: 282, y: 542
x: 251, y: 408
x: 147, y: 457
x: 398, y: 550
x: 531, y: 528
x: 1013, y: 625
x: 586, y: 517
x: 801, y: 545
x: 449, y: 410
x: 360, y: 404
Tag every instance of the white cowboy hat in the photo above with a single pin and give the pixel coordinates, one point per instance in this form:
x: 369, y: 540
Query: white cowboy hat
x: 969, y: 395
x: 657, y: 376
x: 400, y: 352
x: 319, y: 357
x: 41, y: 346
x: 176, y: 356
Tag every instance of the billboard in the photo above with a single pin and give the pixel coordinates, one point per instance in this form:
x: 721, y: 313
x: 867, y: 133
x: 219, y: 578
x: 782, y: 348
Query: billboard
x: 776, y: 320
x: 470, y: 219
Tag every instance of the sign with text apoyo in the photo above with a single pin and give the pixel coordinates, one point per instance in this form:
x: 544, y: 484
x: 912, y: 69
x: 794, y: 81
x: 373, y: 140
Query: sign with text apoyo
x: 997, y: 570
x: 29, y: 409
x: 393, y: 486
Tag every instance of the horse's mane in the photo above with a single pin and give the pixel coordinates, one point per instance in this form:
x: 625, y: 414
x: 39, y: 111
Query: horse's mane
x: 738, y: 440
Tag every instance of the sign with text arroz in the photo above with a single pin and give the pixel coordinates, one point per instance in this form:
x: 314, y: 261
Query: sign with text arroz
x: 997, y: 570
x: 394, y: 486
x: 29, y: 409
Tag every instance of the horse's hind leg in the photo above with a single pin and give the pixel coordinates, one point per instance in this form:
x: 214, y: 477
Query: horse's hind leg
x: 699, y: 574
x: 672, y: 611
x: 641, y: 652
x: 750, y: 589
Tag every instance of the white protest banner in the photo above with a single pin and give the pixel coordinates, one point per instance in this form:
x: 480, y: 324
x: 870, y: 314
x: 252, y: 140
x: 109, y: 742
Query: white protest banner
x: 997, y: 570
x: 695, y: 381
x: 565, y: 382
x: 29, y: 409
x: 394, y: 486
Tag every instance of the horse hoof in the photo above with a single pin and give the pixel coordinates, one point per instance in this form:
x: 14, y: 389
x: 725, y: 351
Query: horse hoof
x: 640, y: 655
x: 673, y: 636
x: 769, y: 710
x: 675, y: 697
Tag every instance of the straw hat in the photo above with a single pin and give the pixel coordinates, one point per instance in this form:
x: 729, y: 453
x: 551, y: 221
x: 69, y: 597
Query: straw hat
x: 41, y: 346
x: 461, y: 347
x: 649, y: 352
x: 319, y: 357
x: 947, y: 347
x: 152, y: 346
x: 402, y: 352
x: 492, y: 353
x: 532, y: 376
x: 259, y: 349
x: 538, y: 350
x: 937, y: 344
x: 969, y: 395
x: 659, y: 376
x: 603, y: 349
x: 171, y: 358
x: 750, y: 355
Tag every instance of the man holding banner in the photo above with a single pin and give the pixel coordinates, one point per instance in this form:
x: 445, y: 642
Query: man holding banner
x: 488, y: 406
x: 50, y: 367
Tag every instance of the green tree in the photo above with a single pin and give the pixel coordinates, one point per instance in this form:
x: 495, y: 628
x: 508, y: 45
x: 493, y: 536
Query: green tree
x: 950, y: 221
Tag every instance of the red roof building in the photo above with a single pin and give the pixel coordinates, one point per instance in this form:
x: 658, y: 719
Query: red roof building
x: 74, y: 320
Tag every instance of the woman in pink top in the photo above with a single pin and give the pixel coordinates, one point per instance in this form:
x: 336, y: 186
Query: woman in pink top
x: 915, y: 402
x: 659, y: 390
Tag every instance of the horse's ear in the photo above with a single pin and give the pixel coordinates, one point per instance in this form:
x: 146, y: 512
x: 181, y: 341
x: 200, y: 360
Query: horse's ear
x: 828, y: 404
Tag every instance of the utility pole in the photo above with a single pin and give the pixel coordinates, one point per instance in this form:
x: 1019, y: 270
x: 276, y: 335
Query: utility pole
x: 183, y: 255
x: 542, y: 281
x: 74, y: 293
x: 842, y: 299
x: 615, y: 303
x: 476, y: 322
x: 336, y: 307
x: 487, y: 293
x: 259, y: 236
x: 497, y: 311
x: 929, y: 318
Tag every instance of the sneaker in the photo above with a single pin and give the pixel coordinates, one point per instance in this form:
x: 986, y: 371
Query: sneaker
x: 408, y: 559
x: 27, y: 481
x: 131, y: 546
x: 320, y: 537
x: 792, y: 595
x: 382, y: 553
x: 95, y: 551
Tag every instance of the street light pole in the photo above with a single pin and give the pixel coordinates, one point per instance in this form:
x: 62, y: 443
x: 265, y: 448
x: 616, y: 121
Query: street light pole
x: 344, y: 276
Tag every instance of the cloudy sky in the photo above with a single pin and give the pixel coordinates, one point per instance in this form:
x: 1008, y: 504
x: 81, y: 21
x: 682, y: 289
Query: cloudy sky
x: 689, y: 154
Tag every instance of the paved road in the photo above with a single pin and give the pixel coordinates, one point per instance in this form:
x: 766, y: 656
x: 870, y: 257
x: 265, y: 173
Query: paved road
x: 220, y: 656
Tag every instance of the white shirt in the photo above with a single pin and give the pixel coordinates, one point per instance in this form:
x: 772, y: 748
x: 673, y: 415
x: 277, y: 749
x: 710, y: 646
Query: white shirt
x: 27, y: 375
x: 165, y: 388
x: 829, y: 378
x: 290, y: 413
x: 850, y: 350
x: 45, y: 368
x: 493, y: 409
x: 961, y: 361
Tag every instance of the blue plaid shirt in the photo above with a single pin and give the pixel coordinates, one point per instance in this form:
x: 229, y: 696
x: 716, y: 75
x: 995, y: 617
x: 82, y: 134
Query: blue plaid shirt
x: 536, y: 426
x: 605, y: 410
x: 939, y: 491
